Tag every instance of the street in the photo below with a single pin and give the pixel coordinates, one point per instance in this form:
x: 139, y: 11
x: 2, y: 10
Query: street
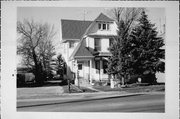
x: 136, y: 103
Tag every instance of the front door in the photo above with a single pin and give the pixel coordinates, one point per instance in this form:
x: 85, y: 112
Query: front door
x: 80, y: 70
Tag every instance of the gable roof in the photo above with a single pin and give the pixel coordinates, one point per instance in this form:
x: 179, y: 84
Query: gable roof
x: 73, y: 29
x: 103, y: 17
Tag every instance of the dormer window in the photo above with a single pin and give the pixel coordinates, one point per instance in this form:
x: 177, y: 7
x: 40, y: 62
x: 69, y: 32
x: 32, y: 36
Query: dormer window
x: 103, y: 26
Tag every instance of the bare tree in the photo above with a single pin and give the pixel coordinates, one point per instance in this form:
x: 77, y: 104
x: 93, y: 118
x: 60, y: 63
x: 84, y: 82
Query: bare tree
x: 127, y: 15
x: 35, y: 45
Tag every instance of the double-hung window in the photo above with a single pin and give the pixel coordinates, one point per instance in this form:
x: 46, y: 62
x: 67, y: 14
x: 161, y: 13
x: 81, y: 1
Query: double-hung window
x: 97, y: 44
x: 103, y: 26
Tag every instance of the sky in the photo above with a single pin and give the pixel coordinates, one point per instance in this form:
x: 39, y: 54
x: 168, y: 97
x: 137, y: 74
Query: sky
x: 53, y: 16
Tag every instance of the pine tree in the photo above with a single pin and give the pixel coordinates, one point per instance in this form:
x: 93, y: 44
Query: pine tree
x: 138, y: 52
x: 117, y: 62
x: 145, y: 50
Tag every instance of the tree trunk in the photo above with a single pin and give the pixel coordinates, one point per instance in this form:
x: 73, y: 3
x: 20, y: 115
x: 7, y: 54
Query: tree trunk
x: 37, y: 73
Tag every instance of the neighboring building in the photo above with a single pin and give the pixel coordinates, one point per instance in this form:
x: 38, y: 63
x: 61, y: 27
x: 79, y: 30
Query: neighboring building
x: 86, y: 46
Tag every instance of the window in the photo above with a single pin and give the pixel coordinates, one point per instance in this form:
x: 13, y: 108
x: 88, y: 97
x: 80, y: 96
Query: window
x: 71, y: 44
x: 111, y: 40
x: 99, y: 26
x: 103, y: 26
x: 97, y: 44
x: 79, y: 66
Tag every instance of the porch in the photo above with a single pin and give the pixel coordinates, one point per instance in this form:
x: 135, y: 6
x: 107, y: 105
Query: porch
x: 89, y: 70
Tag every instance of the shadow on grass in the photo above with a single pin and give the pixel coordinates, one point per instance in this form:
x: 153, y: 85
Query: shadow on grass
x: 45, y: 84
x: 134, y: 88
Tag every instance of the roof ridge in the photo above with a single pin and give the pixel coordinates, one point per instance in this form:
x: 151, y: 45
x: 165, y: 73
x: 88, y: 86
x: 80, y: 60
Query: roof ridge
x: 76, y: 20
x: 103, y: 17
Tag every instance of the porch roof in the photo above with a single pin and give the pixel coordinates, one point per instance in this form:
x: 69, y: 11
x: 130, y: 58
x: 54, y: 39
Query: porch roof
x: 102, y: 54
x: 81, y: 52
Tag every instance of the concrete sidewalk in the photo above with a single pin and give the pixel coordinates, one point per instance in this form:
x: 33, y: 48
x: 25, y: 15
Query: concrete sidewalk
x: 71, y: 98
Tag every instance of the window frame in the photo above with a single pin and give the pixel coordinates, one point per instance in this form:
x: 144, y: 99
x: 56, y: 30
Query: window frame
x: 97, y: 45
x: 80, y: 64
x: 103, y: 26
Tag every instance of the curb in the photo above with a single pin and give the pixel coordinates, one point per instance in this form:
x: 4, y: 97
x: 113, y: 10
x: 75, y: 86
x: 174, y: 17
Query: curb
x: 81, y: 100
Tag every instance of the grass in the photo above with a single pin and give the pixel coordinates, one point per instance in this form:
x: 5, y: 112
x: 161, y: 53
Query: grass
x: 38, y: 92
x: 133, y: 88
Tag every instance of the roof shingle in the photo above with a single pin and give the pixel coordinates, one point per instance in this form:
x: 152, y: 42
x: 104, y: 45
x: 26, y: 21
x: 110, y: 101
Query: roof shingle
x: 73, y: 29
x: 103, y: 17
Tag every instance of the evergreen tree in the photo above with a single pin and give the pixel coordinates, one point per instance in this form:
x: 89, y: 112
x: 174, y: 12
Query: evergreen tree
x: 138, y: 52
x: 61, y: 65
x: 117, y: 62
x: 145, y: 50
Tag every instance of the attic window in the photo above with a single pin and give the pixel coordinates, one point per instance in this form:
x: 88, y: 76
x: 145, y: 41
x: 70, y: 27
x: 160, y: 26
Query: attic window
x: 99, y: 26
x: 103, y: 26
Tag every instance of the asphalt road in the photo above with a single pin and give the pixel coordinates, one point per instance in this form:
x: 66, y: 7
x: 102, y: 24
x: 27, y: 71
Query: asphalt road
x: 138, y: 103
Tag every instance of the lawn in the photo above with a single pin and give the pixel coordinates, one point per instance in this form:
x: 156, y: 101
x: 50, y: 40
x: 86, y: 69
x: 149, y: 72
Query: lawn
x: 134, y: 88
x: 39, y: 92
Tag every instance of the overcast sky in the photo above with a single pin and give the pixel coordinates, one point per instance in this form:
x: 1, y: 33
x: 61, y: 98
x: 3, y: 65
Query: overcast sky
x: 53, y: 15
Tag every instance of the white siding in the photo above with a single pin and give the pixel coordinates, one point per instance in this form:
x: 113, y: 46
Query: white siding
x: 91, y: 43
x: 112, y: 29
x: 104, y: 44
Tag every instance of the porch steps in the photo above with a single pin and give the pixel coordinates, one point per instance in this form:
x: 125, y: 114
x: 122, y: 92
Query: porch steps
x: 85, y: 83
x: 76, y: 88
x: 91, y: 88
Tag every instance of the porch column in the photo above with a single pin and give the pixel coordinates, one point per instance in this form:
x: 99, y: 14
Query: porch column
x: 90, y: 71
x: 101, y: 69
x: 76, y: 71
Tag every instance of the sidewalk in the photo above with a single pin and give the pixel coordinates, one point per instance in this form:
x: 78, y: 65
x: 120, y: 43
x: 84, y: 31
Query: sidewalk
x: 71, y: 98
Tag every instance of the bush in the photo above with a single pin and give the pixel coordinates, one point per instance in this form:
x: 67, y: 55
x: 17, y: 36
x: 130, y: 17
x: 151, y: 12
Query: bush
x: 25, y: 78
x: 133, y: 79
x: 20, y: 79
x: 58, y: 77
x: 29, y: 78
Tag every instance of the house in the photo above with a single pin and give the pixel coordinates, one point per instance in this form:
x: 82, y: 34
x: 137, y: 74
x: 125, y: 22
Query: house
x: 86, y: 46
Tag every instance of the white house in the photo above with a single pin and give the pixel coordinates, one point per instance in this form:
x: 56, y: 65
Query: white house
x: 86, y: 46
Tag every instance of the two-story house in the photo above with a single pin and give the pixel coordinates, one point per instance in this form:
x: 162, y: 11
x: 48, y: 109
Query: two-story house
x: 86, y: 46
